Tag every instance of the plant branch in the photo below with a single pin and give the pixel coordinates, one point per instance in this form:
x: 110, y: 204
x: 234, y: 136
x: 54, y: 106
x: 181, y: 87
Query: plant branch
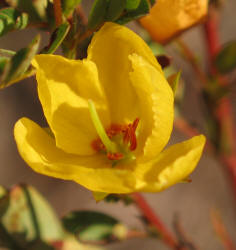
x: 223, y: 113
x: 152, y: 218
x: 57, y: 12
x: 184, y: 241
x: 82, y: 15
x: 190, y: 57
x: 221, y: 231
x: 183, y: 126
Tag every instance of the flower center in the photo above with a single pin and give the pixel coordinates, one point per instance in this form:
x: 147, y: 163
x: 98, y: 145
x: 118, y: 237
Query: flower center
x: 118, y: 142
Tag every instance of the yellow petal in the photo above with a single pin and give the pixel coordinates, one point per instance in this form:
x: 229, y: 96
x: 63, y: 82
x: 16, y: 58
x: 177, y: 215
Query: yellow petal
x: 173, y: 165
x: 38, y: 150
x: 167, y: 18
x: 156, y: 107
x: 64, y: 86
x: 110, y: 49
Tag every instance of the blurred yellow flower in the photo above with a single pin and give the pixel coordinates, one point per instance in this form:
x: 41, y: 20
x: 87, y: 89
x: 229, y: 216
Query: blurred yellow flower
x: 168, y: 18
x: 110, y: 116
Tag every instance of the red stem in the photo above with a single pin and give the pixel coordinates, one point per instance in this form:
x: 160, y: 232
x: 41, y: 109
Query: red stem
x: 212, y: 33
x: 57, y: 12
x: 182, y: 125
x: 152, y: 218
x: 223, y: 114
x: 221, y: 231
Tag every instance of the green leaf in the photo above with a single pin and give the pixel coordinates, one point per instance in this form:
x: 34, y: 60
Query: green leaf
x: 29, y: 222
x: 57, y: 38
x: 3, y: 192
x: 152, y: 2
x: 214, y: 91
x: 91, y: 225
x: 142, y: 9
x: 125, y: 198
x: 3, y: 62
x: 132, y: 4
x: 11, y: 19
x: 22, y: 21
x: 37, y: 9
x: 30, y: 218
x: 115, y: 9
x: 69, y: 5
x: 7, y: 53
x: 19, y: 63
x: 173, y: 80
x: 225, y: 60
x: 4, y: 201
x: 97, y: 13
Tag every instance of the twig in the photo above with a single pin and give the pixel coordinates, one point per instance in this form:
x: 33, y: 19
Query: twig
x: 81, y: 14
x: 133, y: 234
x: 57, y: 12
x: 223, y: 114
x: 183, y: 126
x: 190, y: 57
x: 211, y: 33
x: 221, y: 231
x: 152, y: 218
x: 182, y: 238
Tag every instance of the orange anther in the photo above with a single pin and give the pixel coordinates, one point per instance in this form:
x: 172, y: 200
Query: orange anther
x: 114, y: 156
x: 129, y: 137
x: 97, y: 145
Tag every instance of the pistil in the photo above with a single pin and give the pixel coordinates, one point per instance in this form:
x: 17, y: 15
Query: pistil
x: 118, y: 141
x: 109, y: 145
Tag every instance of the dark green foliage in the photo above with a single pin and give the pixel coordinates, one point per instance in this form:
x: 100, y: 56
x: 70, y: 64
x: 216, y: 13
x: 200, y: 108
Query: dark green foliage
x: 225, y: 60
x: 142, y: 9
x: 115, y: 9
x: 90, y: 225
x: 57, y: 38
x: 18, y: 64
x: 120, y: 11
x: 69, y: 5
x: 11, y: 19
x: 97, y: 13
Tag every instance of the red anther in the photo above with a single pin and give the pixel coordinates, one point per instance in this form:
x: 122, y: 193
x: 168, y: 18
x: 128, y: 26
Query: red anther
x: 114, y: 156
x: 129, y: 137
x: 135, y: 124
x: 126, y: 132
x: 133, y: 142
x: 133, y: 139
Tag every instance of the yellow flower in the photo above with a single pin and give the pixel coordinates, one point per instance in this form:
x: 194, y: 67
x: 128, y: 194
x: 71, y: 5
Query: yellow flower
x: 110, y: 116
x: 168, y: 18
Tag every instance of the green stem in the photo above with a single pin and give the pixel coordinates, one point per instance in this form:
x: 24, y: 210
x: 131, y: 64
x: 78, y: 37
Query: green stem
x: 110, y: 146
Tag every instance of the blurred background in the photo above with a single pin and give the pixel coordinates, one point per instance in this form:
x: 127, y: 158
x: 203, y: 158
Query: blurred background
x: 210, y: 188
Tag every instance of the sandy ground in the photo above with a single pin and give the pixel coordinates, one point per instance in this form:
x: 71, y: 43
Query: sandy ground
x: 210, y: 188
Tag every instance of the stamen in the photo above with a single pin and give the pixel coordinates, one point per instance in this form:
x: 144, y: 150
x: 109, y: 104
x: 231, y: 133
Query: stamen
x: 133, y: 139
x: 130, y: 136
x: 115, y: 156
x: 110, y: 146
